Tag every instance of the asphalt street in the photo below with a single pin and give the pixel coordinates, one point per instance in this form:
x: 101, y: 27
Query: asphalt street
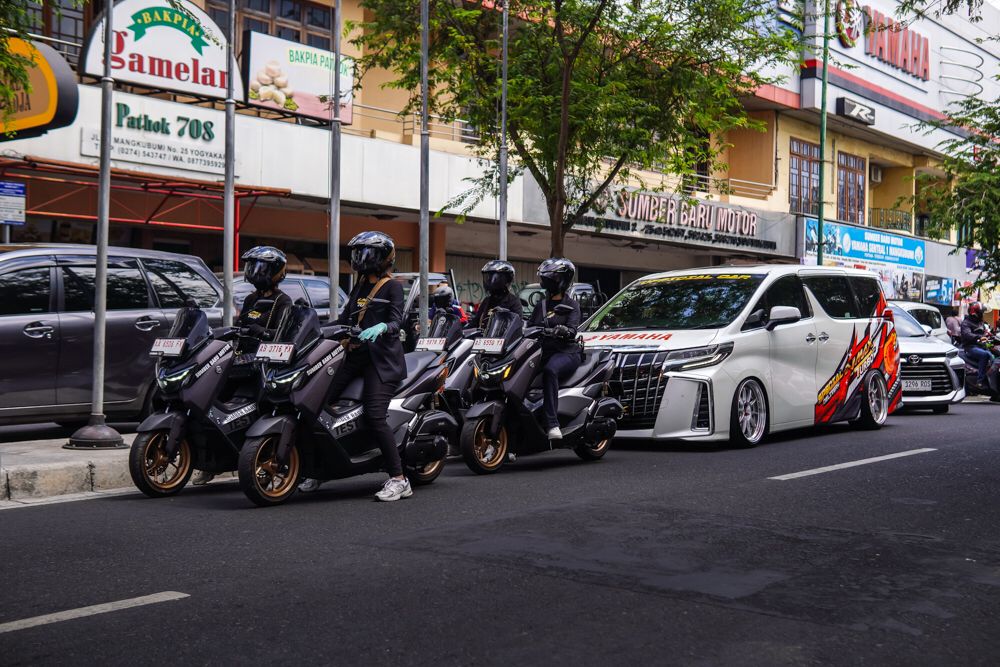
x: 655, y: 555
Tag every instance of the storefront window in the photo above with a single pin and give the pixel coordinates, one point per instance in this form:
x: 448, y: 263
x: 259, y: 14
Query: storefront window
x: 66, y: 21
x: 803, y: 177
x: 851, y: 188
x: 288, y: 19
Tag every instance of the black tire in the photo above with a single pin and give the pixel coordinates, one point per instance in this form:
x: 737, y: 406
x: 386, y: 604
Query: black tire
x: 475, y: 447
x: 874, y: 403
x: 941, y: 409
x: 595, y: 453
x: 750, y: 402
x: 424, y: 475
x: 147, y: 462
x: 262, y: 478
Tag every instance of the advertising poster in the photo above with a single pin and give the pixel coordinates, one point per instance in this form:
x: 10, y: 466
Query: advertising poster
x: 898, y: 260
x: 287, y: 76
x: 939, y: 291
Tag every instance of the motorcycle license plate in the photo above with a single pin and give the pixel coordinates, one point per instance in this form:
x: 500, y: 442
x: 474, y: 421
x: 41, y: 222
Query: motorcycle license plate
x: 917, y: 385
x: 431, y: 344
x: 167, y: 347
x: 275, y: 351
x: 488, y: 345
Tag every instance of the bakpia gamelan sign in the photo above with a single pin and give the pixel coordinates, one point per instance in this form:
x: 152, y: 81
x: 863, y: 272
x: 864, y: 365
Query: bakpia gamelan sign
x: 167, y: 45
x: 666, y: 217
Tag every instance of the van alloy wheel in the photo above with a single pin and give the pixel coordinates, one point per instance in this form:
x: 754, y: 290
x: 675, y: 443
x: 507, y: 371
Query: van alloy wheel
x: 749, y: 417
x: 874, y: 402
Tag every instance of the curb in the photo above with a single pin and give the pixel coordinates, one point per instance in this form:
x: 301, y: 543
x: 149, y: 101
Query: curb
x: 21, y: 482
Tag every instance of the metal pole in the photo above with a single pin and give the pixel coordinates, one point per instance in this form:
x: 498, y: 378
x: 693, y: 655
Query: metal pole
x: 334, y: 232
x: 6, y: 233
x: 228, y: 196
x: 503, y: 137
x: 424, y: 163
x: 97, y: 434
x: 822, y: 132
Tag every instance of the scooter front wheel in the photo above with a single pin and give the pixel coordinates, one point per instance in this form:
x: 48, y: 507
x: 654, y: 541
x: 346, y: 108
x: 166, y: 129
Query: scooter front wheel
x: 483, y: 454
x: 265, y: 480
x: 153, y: 471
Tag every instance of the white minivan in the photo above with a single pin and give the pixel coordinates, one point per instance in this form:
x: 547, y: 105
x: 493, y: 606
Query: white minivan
x: 735, y: 353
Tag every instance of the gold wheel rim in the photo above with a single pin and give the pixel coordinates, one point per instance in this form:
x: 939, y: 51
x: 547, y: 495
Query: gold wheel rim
x: 163, y: 473
x: 431, y: 468
x: 490, y: 452
x: 602, y: 445
x: 272, y: 478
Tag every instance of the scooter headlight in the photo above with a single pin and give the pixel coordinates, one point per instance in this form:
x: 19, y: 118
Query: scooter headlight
x: 171, y: 379
x: 697, y: 357
x: 494, y: 374
x: 284, y: 382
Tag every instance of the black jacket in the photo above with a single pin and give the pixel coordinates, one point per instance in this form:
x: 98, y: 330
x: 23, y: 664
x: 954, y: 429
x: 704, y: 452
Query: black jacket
x: 507, y: 300
x: 268, y: 316
x: 387, y: 306
x: 972, y: 331
x: 544, y: 315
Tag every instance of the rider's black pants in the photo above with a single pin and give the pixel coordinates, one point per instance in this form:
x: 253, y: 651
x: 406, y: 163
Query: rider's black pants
x: 556, y: 366
x: 375, y: 396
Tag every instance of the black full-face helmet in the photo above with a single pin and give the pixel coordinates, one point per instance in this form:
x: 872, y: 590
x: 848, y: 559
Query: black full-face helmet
x: 498, y: 276
x: 556, y: 275
x: 264, y: 267
x: 443, y: 297
x: 372, y: 252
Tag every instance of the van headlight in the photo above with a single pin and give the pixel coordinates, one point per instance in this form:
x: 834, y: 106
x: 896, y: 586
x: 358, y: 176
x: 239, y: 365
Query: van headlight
x: 697, y: 357
x: 171, y: 379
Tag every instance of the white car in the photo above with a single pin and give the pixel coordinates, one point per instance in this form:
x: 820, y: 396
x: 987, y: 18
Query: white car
x: 735, y: 353
x: 928, y: 316
x: 933, y: 373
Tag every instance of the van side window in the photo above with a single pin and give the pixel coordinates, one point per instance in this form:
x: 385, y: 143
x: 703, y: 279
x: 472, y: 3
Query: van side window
x: 25, y: 292
x: 126, y: 288
x: 786, y: 291
x: 834, y: 295
x: 175, y: 282
x: 868, y: 292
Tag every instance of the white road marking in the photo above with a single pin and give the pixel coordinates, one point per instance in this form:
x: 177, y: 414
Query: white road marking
x: 851, y: 464
x: 69, y: 614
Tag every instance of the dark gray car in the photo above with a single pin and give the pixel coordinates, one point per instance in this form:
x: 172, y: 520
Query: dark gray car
x: 47, y: 326
x: 313, y: 290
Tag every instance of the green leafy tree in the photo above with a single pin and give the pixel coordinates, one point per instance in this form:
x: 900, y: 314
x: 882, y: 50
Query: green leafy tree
x: 15, y: 21
x: 598, y: 89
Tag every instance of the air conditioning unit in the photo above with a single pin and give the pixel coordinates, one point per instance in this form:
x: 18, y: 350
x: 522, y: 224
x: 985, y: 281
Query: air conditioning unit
x: 876, y: 174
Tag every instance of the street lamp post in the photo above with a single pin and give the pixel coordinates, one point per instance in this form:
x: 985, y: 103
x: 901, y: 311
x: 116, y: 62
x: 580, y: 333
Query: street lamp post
x: 503, y: 135
x: 228, y: 208
x: 822, y: 132
x: 97, y: 434
x: 424, y: 163
x: 333, y: 239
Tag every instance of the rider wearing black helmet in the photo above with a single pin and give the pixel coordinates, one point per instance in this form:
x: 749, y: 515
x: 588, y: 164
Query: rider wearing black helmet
x: 443, y: 298
x: 376, y: 306
x: 498, y: 276
x: 560, y: 352
x: 974, y: 331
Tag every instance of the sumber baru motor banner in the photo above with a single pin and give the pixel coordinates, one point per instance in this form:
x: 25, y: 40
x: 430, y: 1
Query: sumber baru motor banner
x: 295, y: 78
x: 898, y: 260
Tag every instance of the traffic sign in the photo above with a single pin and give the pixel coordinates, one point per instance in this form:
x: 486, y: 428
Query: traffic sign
x: 12, y: 197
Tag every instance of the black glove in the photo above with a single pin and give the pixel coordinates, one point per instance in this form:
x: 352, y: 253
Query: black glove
x: 256, y: 330
x: 562, y: 331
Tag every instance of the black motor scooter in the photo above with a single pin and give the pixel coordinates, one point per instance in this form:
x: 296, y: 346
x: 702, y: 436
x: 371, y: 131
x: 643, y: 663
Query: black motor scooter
x: 209, y: 387
x: 302, y: 435
x: 507, y: 415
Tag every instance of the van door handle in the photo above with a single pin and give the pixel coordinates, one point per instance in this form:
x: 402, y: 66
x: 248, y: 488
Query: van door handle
x: 823, y: 336
x: 38, y: 330
x: 146, y: 324
x: 810, y: 339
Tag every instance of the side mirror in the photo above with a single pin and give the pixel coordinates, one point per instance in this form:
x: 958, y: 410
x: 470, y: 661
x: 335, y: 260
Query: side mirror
x: 563, y: 309
x: 782, y: 315
x: 755, y: 319
x: 927, y: 329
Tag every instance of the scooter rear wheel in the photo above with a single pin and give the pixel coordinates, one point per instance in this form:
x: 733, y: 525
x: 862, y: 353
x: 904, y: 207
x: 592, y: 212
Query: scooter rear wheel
x: 152, y: 471
x: 484, y: 455
x: 588, y: 453
x: 263, y: 478
x: 424, y: 474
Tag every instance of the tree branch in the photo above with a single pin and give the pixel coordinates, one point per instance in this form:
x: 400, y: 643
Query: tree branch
x: 596, y: 194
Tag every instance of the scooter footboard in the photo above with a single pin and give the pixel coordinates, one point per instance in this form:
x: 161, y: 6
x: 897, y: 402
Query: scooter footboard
x: 430, y: 438
x: 173, y: 422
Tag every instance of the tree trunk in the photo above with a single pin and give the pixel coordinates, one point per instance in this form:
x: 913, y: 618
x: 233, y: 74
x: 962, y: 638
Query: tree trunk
x: 556, y: 215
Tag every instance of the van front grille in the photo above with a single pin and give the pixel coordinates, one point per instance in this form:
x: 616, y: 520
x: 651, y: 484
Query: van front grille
x: 640, y: 376
x: 936, y: 373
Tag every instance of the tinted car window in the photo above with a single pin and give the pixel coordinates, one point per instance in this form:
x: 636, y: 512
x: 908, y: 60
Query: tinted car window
x: 175, y: 282
x: 319, y: 293
x: 931, y: 318
x: 868, y: 294
x: 25, y: 291
x: 294, y: 290
x: 834, y: 295
x: 906, y: 326
x: 126, y: 288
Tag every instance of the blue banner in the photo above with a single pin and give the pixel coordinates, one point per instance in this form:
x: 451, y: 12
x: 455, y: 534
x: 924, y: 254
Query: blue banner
x: 939, y: 291
x: 864, y: 244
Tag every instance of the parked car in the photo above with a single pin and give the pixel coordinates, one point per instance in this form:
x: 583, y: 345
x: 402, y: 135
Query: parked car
x: 47, y: 326
x: 411, y: 296
x: 313, y: 290
x: 589, y: 298
x: 735, y: 353
x: 928, y: 316
x: 933, y: 373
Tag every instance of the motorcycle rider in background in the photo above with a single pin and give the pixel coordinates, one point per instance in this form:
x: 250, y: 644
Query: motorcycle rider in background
x: 376, y: 306
x: 263, y: 267
x: 560, y: 352
x: 498, y: 276
x: 973, y: 333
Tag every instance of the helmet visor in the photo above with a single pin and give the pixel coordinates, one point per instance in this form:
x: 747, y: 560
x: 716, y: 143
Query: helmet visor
x: 259, y: 273
x: 367, y: 258
x: 494, y: 281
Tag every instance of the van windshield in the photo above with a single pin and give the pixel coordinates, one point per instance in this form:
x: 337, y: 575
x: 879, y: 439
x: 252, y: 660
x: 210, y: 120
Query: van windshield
x: 702, y: 301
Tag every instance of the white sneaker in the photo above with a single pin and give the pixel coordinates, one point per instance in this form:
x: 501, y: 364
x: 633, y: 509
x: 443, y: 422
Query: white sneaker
x: 555, y: 433
x: 394, y: 489
x: 309, y: 485
x: 202, y: 478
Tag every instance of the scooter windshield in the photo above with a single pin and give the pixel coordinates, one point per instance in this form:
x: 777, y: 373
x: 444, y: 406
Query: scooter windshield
x: 504, y: 324
x: 300, y: 327
x: 445, y: 325
x: 192, y: 325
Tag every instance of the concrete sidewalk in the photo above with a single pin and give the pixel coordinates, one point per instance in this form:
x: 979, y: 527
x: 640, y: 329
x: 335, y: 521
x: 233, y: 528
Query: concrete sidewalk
x: 35, y: 469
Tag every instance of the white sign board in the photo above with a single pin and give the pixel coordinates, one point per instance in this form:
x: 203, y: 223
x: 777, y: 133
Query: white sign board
x: 283, y: 75
x: 164, y: 45
x: 148, y: 131
x: 12, y: 197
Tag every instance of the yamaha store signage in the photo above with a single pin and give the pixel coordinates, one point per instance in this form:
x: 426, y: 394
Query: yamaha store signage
x: 862, y: 113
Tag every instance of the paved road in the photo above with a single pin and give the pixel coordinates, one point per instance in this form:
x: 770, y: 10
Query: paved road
x: 660, y: 555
